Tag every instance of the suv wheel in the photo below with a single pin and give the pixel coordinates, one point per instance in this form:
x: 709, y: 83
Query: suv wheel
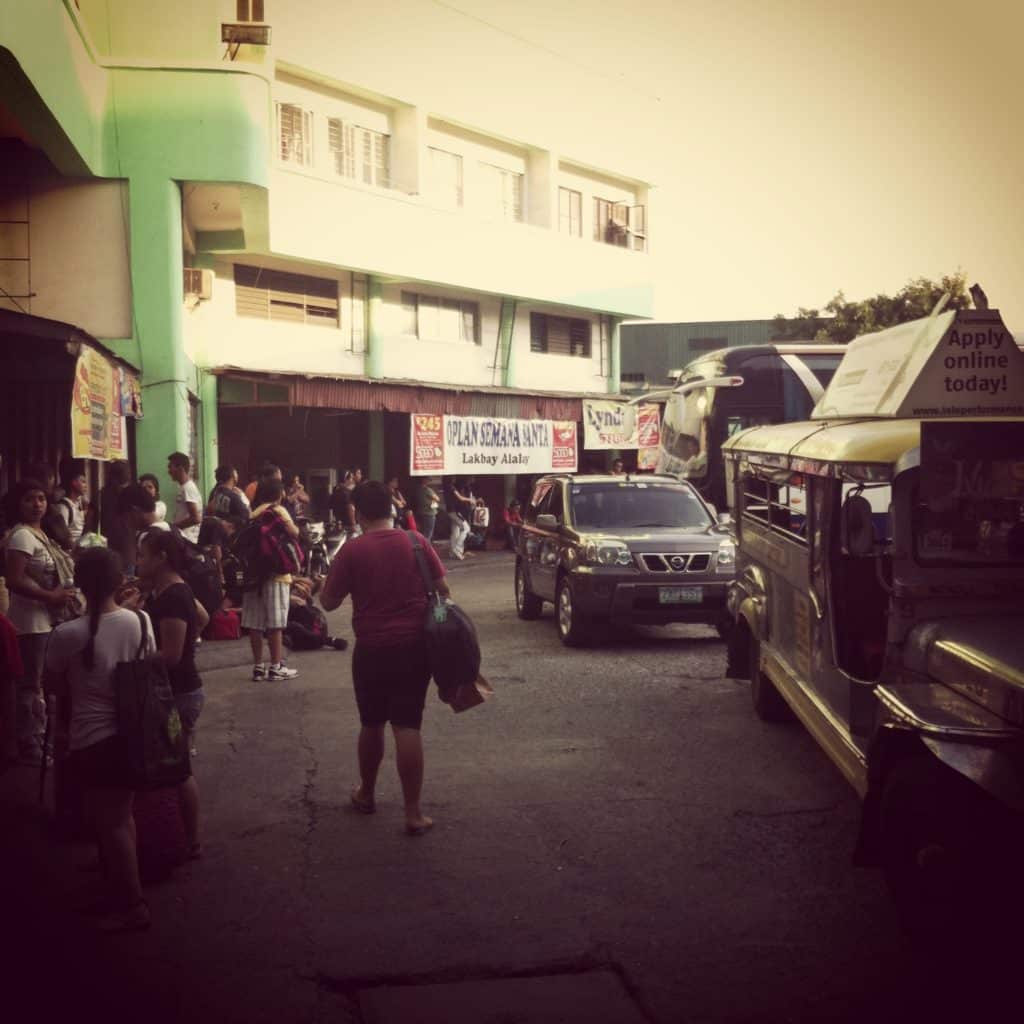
x: 528, y: 606
x: 573, y: 628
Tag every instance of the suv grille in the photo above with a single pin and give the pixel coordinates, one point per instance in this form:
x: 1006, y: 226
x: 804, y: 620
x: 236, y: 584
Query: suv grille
x: 676, y: 562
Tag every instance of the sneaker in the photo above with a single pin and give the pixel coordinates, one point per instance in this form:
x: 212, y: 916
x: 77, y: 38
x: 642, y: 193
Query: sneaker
x: 259, y: 672
x: 281, y: 672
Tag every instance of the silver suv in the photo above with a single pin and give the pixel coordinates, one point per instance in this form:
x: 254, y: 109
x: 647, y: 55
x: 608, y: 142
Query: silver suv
x: 622, y: 549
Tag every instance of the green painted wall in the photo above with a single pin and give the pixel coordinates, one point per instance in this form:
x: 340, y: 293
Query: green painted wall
x: 155, y: 127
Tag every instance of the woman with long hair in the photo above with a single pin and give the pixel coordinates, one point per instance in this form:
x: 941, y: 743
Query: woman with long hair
x: 80, y: 663
x: 176, y: 623
x: 39, y: 578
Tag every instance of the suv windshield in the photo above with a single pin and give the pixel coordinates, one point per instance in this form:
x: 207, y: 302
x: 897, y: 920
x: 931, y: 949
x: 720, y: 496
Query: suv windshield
x: 635, y: 504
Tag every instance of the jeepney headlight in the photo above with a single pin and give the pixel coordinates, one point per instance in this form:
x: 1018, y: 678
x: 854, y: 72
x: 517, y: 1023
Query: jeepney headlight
x: 607, y: 552
x: 726, y: 561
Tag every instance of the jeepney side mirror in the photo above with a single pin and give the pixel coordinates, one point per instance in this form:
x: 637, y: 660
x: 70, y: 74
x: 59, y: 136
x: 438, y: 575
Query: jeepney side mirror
x: 857, y: 532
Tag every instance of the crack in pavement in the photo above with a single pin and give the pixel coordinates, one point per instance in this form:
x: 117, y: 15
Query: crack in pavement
x: 741, y: 813
x: 600, y: 959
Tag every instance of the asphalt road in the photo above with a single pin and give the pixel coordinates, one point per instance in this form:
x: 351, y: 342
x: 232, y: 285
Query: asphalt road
x: 616, y: 809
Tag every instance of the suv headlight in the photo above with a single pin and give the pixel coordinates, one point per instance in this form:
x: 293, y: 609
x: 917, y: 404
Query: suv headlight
x: 607, y: 552
x: 726, y: 561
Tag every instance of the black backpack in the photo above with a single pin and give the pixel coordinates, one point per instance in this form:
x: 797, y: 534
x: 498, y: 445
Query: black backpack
x: 306, y: 629
x: 201, y: 573
x: 453, y: 649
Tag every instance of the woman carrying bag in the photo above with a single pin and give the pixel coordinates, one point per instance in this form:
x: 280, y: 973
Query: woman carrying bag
x: 177, y: 620
x: 40, y: 581
x: 81, y: 662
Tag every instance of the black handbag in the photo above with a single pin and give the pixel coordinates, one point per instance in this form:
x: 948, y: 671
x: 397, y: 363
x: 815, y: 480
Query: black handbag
x: 147, y: 720
x: 453, y: 650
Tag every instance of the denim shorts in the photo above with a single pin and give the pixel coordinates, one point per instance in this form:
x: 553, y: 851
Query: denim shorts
x: 391, y: 684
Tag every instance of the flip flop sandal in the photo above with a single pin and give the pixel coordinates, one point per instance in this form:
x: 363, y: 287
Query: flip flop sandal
x: 361, y: 805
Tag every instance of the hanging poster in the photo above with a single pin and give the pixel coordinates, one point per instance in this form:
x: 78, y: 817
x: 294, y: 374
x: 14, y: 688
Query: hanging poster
x: 97, y: 424
x: 608, y: 425
x: 477, y: 445
x: 648, y: 430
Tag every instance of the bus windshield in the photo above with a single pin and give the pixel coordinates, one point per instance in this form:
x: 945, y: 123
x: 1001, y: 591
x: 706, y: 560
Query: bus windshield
x: 684, y: 434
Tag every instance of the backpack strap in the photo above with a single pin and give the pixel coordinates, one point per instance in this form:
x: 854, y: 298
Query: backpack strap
x: 421, y: 562
x: 143, y: 635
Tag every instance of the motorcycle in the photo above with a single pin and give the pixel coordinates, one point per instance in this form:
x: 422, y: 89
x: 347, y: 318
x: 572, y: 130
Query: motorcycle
x: 321, y: 542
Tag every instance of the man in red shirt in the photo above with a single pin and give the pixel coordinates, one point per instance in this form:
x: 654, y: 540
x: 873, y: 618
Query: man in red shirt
x: 390, y: 672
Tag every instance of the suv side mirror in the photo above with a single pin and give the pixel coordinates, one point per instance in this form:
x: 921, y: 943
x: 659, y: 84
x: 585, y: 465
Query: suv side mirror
x: 546, y: 521
x: 857, y: 532
x: 724, y: 520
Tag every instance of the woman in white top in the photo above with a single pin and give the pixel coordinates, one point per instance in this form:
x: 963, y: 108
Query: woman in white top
x: 80, y: 662
x: 39, y: 578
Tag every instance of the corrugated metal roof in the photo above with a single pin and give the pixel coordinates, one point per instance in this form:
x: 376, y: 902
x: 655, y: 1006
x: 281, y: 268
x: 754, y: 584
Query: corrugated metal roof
x: 360, y: 395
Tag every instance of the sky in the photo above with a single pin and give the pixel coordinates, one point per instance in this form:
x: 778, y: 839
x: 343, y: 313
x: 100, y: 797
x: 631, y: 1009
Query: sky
x: 797, y: 148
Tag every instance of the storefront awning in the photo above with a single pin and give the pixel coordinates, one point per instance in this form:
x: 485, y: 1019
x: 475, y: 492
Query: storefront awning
x: 242, y: 388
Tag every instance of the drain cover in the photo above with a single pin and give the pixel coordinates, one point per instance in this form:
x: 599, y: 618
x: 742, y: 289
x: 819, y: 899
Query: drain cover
x: 594, y: 997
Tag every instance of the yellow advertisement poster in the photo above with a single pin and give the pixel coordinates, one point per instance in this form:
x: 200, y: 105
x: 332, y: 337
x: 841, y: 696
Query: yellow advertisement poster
x: 97, y: 423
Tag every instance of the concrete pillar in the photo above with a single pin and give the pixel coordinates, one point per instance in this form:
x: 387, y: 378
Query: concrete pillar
x: 209, y: 453
x: 156, y: 269
x: 506, y: 342
x: 375, y: 468
x: 615, y: 356
x: 374, y: 328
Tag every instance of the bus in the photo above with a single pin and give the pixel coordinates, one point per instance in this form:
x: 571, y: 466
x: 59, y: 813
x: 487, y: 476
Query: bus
x: 729, y: 390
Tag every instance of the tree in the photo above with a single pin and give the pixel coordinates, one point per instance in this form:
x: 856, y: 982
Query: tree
x: 850, y: 319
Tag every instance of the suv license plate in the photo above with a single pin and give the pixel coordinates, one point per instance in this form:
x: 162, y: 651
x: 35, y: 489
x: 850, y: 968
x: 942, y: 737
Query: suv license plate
x: 680, y: 595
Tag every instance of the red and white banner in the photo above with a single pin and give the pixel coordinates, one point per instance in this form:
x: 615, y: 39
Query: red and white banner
x: 648, y: 435
x: 477, y: 445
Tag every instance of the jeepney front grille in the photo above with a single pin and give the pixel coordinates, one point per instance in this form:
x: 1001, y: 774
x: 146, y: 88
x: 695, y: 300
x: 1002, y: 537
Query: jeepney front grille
x: 675, y: 562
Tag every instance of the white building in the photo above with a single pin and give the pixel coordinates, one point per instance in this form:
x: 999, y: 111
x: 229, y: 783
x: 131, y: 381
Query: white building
x: 453, y: 235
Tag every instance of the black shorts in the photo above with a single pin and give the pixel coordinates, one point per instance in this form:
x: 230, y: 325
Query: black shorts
x: 102, y: 765
x: 391, y: 684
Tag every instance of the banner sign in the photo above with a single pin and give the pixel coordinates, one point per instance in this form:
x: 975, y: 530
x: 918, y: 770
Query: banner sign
x: 103, y: 392
x: 648, y: 431
x: 608, y: 425
x: 477, y: 445
x: 611, y: 426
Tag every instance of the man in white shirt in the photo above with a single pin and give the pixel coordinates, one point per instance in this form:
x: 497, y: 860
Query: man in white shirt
x: 188, y: 503
x: 74, y: 505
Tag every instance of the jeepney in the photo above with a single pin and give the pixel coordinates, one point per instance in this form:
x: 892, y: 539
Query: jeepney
x: 879, y: 598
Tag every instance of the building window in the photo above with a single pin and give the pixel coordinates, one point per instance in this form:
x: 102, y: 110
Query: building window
x: 639, y: 379
x: 559, y: 335
x: 277, y: 295
x: 706, y: 344
x: 360, y: 154
x: 249, y: 10
x: 620, y: 224
x: 504, y: 190
x: 295, y: 130
x: 570, y: 212
x: 431, y: 318
x: 446, y: 176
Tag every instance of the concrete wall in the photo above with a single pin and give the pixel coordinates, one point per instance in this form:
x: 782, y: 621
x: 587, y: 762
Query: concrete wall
x: 65, y: 252
x: 215, y: 335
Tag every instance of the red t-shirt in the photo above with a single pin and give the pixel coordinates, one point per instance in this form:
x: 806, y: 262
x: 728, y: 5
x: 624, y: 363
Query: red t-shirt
x: 389, y: 598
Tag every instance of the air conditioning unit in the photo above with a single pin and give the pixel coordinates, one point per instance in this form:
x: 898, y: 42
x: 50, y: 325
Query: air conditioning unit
x: 198, y: 283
